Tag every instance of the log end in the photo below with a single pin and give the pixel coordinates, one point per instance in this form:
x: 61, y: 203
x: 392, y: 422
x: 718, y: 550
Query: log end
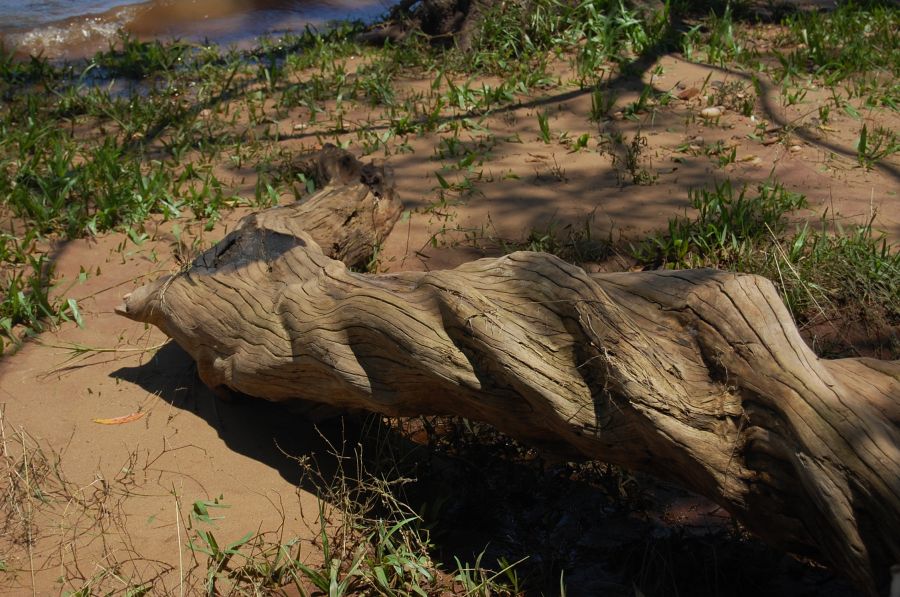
x: 141, y: 303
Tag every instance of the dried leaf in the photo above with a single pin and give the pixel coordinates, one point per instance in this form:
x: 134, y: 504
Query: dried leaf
x: 688, y: 93
x: 121, y: 420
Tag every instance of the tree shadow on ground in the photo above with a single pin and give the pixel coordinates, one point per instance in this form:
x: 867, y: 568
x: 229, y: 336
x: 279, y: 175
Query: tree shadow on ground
x: 597, y: 528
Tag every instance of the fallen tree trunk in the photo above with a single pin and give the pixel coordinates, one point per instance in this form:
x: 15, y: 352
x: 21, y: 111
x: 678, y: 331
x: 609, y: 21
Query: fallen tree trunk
x: 699, y: 376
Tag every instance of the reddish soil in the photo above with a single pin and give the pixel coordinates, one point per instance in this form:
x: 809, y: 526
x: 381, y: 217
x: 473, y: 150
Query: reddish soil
x: 133, y: 485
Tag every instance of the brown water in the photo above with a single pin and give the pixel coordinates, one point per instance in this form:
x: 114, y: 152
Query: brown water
x: 79, y: 28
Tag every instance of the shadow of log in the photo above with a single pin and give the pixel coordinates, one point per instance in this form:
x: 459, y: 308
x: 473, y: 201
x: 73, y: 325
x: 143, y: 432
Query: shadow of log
x: 600, y: 529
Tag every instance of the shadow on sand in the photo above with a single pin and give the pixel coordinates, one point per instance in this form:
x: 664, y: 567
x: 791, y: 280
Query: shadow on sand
x: 602, y: 530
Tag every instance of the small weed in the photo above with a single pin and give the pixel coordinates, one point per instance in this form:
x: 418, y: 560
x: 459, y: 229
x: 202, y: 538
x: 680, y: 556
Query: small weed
x: 735, y: 95
x: 544, y: 127
x: 723, y: 153
x: 580, y: 143
x: 875, y: 145
x: 27, y: 305
x: 601, y: 103
x: 723, y: 44
x: 648, y: 100
x: 632, y: 159
x: 792, y: 95
x: 555, y: 172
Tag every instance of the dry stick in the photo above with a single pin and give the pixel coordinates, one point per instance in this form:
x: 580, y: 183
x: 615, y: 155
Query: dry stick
x: 408, y: 231
x: 114, y: 286
x: 3, y: 430
x: 180, y: 549
x: 82, y: 351
x: 28, y: 522
x: 82, y: 348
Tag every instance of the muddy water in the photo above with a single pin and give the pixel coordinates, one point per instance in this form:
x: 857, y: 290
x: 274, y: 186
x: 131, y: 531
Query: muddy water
x: 78, y: 28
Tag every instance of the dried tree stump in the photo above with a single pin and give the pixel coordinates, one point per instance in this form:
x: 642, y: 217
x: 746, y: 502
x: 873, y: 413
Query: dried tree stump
x: 699, y: 376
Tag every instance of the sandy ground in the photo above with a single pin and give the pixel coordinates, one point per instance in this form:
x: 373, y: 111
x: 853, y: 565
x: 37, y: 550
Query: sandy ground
x: 132, y: 486
x: 139, y: 480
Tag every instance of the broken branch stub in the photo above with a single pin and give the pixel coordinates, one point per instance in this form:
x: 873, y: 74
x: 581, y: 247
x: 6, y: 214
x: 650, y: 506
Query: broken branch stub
x: 699, y: 376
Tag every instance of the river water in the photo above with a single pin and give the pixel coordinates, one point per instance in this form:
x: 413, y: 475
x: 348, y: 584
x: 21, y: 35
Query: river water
x: 78, y: 28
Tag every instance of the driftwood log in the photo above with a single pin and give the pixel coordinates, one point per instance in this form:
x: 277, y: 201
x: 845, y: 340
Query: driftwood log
x: 699, y: 376
x: 442, y: 22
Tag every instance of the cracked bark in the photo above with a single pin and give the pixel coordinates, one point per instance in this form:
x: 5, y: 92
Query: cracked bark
x: 699, y: 376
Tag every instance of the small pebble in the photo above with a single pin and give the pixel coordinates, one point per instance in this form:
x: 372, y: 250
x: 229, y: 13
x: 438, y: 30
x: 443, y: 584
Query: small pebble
x: 713, y: 112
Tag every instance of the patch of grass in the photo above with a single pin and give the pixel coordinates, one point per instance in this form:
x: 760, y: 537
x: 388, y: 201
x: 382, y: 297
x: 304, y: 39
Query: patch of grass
x: 78, y: 157
x: 369, y: 540
x: 14, y: 72
x: 728, y: 227
x: 850, y: 270
x: 569, y: 242
x: 41, y: 507
x: 723, y: 44
x: 26, y: 305
x: 129, y: 57
x: 855, y: 37
x: 596, y: 31
x: 824, y: 273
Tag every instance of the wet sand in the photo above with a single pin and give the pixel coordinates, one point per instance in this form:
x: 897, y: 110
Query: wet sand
x: 227, y: 22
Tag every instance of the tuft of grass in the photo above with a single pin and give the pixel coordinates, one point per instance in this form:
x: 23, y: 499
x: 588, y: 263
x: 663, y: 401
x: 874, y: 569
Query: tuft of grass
x: 723, y: 44
x: 728, y: 226
x: 852, y: 271
x: 575, y: 244
x: 135, y: 59
x: 630, y: 158
x: 368, y: 539
x: 875, y: 145
x: 825, y: 273
x: 544, y: 127
x: 15, y: 73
